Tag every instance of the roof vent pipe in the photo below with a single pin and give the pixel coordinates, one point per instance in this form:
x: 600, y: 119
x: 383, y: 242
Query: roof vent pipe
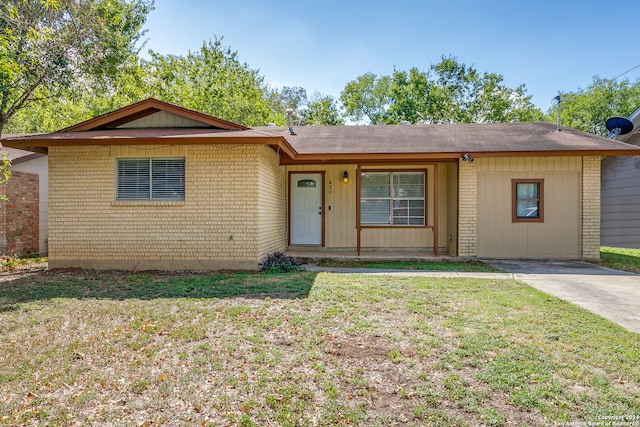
x: 290, y: 120
x: 557, y: 100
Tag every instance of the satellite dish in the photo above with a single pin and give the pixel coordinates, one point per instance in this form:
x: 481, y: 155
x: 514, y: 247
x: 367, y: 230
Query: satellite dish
x: 619, y: 125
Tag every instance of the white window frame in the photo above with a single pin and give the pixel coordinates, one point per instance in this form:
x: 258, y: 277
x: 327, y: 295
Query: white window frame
x: 177, y: 181
x: 392, y: 218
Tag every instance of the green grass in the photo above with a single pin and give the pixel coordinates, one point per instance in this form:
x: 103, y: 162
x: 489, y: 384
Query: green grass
x: 304, y: 349
x: 444, y: 265
x: 620, y: 258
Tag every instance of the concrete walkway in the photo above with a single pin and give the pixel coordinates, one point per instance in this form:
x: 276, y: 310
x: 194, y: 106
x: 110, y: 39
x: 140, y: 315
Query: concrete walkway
x: 612, y: 294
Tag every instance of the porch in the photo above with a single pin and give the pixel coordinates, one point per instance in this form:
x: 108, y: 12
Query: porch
x: 314, y: 254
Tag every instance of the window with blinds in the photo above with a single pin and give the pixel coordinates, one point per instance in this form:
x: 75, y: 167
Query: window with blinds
x: 150, y: 179
x: 392, y: 198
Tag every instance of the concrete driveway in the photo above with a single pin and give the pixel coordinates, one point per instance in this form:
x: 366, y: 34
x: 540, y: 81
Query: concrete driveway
x: 612, y: 294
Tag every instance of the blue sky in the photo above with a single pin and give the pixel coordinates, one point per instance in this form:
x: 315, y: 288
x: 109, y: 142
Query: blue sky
x: 546, y: 45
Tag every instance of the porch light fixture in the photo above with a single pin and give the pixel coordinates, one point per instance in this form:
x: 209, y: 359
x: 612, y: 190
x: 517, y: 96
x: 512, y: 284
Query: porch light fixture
x: 345, y: 177
x: 466, y: 157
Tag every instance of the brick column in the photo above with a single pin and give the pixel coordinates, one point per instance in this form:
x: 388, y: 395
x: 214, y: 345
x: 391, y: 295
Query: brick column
x: 467, y: 209
x: 591, y: 208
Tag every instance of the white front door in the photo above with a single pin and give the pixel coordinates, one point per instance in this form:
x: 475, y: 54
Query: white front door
x: 306, y: 209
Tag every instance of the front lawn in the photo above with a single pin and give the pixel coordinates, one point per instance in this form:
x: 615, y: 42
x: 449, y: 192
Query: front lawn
x: 304, y: 349
x: 620, y: 259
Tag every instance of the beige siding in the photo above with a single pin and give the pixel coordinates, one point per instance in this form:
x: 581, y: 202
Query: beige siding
x: 559, y: 236
x: 340, y: 210
x: 452, y: 209
x: 162, y: 119
x: 340, y: 203
x: 215, y: 227
x: 272, y: 208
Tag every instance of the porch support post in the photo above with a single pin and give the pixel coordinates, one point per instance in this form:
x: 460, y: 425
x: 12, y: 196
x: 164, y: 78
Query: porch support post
x: 435, y: 209
x: 358, y: 227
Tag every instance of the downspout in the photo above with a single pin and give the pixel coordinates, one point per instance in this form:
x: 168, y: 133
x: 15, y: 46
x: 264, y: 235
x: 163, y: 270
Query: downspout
x: 358, y: 225
x: 435, y: 209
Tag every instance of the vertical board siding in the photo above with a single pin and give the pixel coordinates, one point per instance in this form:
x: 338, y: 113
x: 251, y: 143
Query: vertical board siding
x: 162, y: 119
x: 620, y: 204
x: 451, y: 210
x: 339, y: 200
x: 340, y: 209
x: 559, y: 236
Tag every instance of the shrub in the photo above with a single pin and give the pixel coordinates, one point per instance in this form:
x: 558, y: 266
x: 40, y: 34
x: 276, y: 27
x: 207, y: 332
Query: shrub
x: 278, y: 262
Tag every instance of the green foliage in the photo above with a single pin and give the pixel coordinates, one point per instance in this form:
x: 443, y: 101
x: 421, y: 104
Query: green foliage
x: 322, y: 110
x: 278, y: 262
x: 282, y: 99
x: 5, y: 172
x: 212, y: 81
x: 48, y: 47
x: 368, y: 96
x: 451, y: 92
x: 588, y: 109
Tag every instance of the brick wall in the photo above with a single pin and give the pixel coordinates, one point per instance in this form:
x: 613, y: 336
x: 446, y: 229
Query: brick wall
x: 19, y: 216
x: 467, y: 209
x: 215, y: 227
x: 591, y: 208
x: 272, y: 208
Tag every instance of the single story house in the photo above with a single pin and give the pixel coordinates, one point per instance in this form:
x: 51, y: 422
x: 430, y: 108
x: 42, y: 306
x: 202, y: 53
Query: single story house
x: 157, y: 186
x: 23, y: 216
x: 620, y: 224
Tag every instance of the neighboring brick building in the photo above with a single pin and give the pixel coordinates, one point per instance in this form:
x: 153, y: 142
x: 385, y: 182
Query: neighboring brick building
x: 157, y: 186
x: 22, y: 231
x: 19, y: 216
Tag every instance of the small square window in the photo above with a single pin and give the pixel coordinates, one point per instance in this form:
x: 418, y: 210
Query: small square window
x: 527, y: 200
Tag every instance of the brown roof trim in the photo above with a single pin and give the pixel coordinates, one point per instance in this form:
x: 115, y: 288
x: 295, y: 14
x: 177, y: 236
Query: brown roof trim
x: 301, y: 159
x: 26, y: 158
x: 41, y: 145
x: 147, y: 107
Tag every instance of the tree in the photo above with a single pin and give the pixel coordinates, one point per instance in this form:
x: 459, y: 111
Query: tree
x: 368, y: 96
x: 72, y: 106
x: 410, y: 97
x: 461, y: 94
x: 293, y: 97
x: 212, y: 81
x: 321, y: 110
x: 49, y: 46
x: 451, y: 92
x: 588, y: 109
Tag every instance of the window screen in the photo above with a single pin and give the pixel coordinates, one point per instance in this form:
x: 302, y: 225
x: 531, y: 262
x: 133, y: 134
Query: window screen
x: 150, y: 179
x: 392, y: 198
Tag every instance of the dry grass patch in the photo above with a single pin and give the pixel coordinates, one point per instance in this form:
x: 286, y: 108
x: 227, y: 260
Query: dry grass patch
x: 82, y: 347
